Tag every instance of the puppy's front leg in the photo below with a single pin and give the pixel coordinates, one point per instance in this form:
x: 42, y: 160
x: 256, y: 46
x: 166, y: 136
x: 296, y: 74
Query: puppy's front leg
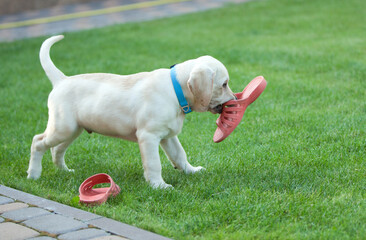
x: 149, y: 148
x: 176, y: 154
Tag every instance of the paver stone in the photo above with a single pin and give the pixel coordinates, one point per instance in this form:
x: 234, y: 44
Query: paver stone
x: 42, y: 238
x: 25, y: 213
x: 12, y: 206
x: 112, y: 237
x: 83, y: 234
x: 55, y: 224
x: 13, y: 231
x: 4, y: 200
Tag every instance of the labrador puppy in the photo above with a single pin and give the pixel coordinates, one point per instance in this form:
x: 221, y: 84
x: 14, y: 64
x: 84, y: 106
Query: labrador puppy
x: 141, y: 107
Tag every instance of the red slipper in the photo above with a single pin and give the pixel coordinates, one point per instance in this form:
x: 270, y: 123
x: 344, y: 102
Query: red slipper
x: 233, y: 110
x: 90, y: 195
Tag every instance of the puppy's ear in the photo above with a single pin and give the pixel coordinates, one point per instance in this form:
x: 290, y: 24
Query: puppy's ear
x: 200, y: 83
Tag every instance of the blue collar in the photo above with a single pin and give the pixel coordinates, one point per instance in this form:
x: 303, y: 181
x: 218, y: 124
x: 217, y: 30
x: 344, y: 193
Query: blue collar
x: 179, y: 92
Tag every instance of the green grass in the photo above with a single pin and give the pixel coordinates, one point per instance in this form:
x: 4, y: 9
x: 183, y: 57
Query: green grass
x: 294, y: 168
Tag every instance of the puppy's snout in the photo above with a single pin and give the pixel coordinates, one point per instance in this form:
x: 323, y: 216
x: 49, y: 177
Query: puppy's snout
x: 234, y: 96
x: 218, y: 109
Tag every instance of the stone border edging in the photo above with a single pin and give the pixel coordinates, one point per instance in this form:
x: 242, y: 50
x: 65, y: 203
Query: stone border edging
x: 104, y: 223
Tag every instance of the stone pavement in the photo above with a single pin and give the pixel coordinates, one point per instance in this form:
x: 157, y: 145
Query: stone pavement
x: 75, y: 17
x: 25, y: 216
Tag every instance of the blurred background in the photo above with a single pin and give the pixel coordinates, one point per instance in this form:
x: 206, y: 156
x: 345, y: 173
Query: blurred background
x: 17, y: 6
x: 32, y: 18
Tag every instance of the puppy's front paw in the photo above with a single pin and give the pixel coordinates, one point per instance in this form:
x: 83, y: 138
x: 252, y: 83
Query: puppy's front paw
x: 69, y: 170
x: 193, y: 170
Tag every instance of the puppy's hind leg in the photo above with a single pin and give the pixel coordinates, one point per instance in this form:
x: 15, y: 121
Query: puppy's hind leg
x: 37, y: 151
x: 58, y: 152
x: 176, y: 154
x: 50, y: 138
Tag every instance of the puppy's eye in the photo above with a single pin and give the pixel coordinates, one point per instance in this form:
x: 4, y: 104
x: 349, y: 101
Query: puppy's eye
x: 224, y: 85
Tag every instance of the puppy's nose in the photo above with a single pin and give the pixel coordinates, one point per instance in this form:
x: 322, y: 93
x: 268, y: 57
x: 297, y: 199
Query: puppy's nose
x: 218, y: 109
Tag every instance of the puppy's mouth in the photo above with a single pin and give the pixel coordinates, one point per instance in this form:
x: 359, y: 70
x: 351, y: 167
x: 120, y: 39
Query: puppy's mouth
x: 217, y: 109
x: 220, y: 107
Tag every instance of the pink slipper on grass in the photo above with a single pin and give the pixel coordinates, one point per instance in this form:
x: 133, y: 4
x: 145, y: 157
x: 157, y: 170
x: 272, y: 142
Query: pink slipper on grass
x: 97, y: 196
x: 233, y: 110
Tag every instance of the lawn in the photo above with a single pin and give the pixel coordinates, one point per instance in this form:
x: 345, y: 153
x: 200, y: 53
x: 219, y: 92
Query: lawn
x: 295, y: 167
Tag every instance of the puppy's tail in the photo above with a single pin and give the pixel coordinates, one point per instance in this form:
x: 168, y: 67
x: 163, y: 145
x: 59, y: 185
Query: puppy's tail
x: 52, y: 72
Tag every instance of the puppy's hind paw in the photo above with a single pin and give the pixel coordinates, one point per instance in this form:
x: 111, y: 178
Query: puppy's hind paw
x: 194, y: 170
x: 162, y: 185
x: 33, y: 174
x: 65, y: 168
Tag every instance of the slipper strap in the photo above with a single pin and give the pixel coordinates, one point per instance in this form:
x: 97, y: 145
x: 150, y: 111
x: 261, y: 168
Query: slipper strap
x: 87, y: 187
